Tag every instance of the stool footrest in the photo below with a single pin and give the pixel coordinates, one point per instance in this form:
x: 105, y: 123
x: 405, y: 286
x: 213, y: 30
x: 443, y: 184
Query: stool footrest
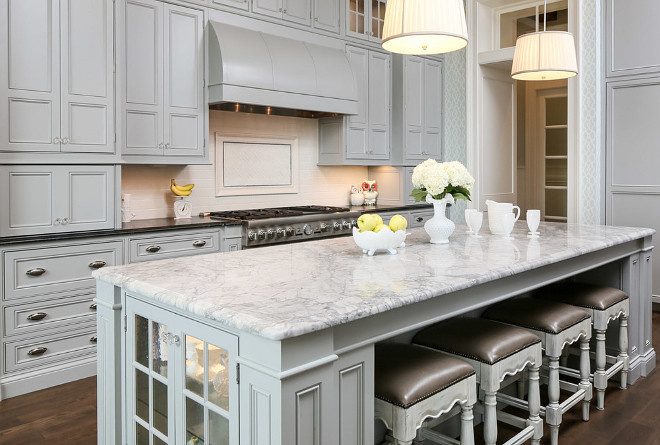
x: 614, y: 369
x: 434, y: 436
x: 572, y: 400
x: 521, y: 437
x: 512, y: 401
x: 512, y: 420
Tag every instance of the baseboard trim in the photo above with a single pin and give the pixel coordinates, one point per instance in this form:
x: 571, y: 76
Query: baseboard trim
x: 641, y: 366
x: 27, y: 382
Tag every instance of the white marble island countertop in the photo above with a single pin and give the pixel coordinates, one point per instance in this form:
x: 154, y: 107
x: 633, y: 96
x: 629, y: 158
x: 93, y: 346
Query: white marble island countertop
x: 289, y: 290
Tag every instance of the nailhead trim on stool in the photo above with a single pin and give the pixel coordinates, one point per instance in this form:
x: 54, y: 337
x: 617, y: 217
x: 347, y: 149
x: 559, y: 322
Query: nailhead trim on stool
x: 413, y: 384
x: 557, y: 325
x: 604, y: 304
x: 495, y: 350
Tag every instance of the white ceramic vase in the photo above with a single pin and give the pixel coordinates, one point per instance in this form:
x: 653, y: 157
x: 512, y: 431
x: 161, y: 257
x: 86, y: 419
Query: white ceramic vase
x: 440, y: 227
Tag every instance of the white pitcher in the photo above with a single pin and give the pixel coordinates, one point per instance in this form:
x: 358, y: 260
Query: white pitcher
x: 495, y: 212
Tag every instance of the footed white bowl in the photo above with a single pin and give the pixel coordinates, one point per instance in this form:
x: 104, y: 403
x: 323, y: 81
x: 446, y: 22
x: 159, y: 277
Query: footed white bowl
x: 370, y: 241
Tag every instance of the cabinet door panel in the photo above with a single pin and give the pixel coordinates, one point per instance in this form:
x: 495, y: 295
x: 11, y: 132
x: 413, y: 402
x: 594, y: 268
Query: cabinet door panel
x: 433, y: 145
x: 91, y: 197
x: 240, y: 4
x: 413, y: 107
x: 87, y: 80
x: 433, y: 95
x: 379, y: 141
x: 357, y: 145
x: 143, y: 78
x: 183, y: 79
x: 326, y: 15
x: 357, y: 24
x: 26, y: 206
x: 272, y: 8
x: 29, y: 81
x: 298, y: 11
x: 359, y: 60
x: 379, y: 105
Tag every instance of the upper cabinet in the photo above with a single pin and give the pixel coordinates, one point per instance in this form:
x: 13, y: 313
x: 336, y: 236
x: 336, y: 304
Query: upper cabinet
x: 163, y: 109
x: 417, y: 109
x: 57, y: 85
x: 364, y: 138
x: 298, y: 11
x: 326, y: 15
x: 240, y: 4
x: 365, y: 19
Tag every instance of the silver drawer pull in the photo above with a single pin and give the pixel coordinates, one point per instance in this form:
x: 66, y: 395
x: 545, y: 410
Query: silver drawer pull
x: 97, y: 264
x: 37, y: 351
x: 37, y: 271
x: 153, y: 249
x: 420, y: 219
x: 93, y: 339
x: 199, y: 243
x: 92, y: 306
x: 37, y: 316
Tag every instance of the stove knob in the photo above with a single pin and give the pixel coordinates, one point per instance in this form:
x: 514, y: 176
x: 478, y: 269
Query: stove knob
x: 308, y: 229
x: 354, y: 223
x: 290, y: 231
x: 338, y: 226
x: 270, y: 233
x: 261, y: 234
x: 281, y: 233
x: 346, y: 225
x: 252, y: 236
x: 325, y: 227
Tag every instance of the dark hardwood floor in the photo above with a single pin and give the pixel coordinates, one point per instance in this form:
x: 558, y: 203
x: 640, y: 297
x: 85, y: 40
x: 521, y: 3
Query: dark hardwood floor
x: 66, y: 414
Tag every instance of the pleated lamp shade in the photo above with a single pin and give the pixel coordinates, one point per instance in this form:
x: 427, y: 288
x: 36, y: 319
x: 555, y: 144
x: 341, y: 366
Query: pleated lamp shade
x: 546, y: 55
x: 424, y: 26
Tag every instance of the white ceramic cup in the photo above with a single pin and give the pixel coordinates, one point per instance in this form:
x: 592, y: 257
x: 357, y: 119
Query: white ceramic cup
x: 467, y: 220
x: 476, y: 220
x: 533, y: 221
x: 508, y: 221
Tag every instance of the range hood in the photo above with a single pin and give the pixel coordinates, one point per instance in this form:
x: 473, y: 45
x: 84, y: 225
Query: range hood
x: 256, y: 72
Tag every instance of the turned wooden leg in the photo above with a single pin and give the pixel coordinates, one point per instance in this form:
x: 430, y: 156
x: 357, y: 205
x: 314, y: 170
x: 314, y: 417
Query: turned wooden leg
x: 553, y: 410
x: 520, y: 384
x: 600, y: 376
x: 585, y: 372
x: 623, y: 350
x: 490, y: 417
x: 534, y: 401
x: 467, y: 425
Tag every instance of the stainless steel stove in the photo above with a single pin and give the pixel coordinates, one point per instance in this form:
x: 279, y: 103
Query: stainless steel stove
x: 265, y: 227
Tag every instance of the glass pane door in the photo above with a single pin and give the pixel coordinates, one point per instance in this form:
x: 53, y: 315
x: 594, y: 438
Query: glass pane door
x: 357, y: 17
x: 377, y: 18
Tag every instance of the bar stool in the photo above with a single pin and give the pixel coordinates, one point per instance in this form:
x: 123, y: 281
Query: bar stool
x: 413, y: 384
x: 603, y: 304
x: 495, y: 351
x: 557, y: 325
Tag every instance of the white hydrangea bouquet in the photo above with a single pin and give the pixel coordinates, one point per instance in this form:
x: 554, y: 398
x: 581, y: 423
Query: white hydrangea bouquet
x: 441, y: 184
x: 440, y: 179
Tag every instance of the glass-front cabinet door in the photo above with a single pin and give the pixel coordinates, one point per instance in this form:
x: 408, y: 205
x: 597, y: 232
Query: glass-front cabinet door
x: 365, y: 19
x: 181, y: 380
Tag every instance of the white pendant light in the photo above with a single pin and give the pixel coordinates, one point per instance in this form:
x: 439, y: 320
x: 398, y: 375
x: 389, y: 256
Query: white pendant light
x: 545, y: 55
x: 424, y: 26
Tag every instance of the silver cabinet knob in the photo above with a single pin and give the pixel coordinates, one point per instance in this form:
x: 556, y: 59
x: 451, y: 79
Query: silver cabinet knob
x: 199, y: 243
x: 65, y: 221
x: 92, y: 306
x: 56, y: 140
x: 284, y: 10
x: 93, y: 339
x: 37, y: 316
x: 280, y: 10
x: 420, y: 219
x: 167, y: 145
x: 161, y: 145
x: 37, y: 351
x: 58, y: 221
x: 316, y: 19
x: 37, y: 271
x: 96, y: 264
x: 153, y: 249
x: 65, y: 140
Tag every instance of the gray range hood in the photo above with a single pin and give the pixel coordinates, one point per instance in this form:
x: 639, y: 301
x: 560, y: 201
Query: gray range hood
x: 256, y: 72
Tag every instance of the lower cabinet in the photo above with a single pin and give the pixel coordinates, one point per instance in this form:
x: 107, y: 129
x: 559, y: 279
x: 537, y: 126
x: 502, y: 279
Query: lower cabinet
x: 181, y: 383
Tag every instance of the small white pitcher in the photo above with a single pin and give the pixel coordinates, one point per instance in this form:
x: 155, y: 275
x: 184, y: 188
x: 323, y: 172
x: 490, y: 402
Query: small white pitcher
x: 495, y: 212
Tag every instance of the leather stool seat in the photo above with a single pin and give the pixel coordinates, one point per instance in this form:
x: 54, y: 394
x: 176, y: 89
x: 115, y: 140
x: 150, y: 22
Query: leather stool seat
x: 482, y: 340
x: 495, y: 351
x: 413, y: 383
x: 546, y: 316
x: 407, y: 374
x: 585, y: 295
x: 604, y: 304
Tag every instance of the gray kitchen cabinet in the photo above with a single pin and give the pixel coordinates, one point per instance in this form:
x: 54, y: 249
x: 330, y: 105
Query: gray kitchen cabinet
x: 298, y: 11
x: 57, y: 88
x: 364, y: 138
x: 45, y: 198
x: 417, y: 109
x: 326, y: 15
x: 365, y: 19
x: 163, y: 110
x: 240, y: 4
x: 170, y: 246
x: 181, y: 379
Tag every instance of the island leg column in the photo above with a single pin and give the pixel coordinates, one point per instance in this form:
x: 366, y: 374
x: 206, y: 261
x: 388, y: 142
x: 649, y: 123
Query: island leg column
x: 109, y: 363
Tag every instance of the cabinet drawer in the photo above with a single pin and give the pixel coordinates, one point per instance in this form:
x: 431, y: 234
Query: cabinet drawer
x: 146, y: 249
x: 56, y: 269
x: 34, y: 317
x: 49, y: 349
x: 419, y: 218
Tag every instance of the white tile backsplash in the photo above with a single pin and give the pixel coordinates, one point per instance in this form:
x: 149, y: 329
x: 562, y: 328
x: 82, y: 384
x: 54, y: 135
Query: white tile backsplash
x: 149, y: 185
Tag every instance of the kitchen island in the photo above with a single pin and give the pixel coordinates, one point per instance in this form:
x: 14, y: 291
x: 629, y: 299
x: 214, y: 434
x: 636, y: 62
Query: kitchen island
x: 275, y: 345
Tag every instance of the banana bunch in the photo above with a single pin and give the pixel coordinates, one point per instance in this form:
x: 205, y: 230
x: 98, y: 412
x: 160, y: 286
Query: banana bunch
x: 181, y: 190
